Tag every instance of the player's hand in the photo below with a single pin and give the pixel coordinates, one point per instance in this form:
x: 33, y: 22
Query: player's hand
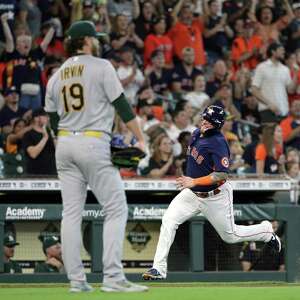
x: 140, y: 145
x: 54, y: 262
x: 184, y: 182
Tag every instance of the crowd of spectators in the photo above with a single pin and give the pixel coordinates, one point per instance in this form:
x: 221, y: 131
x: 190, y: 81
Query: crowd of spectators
x: 173, y: 57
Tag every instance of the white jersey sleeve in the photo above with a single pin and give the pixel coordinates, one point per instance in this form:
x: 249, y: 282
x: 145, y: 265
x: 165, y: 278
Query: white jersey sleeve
x: 50, y: 105
x: 111, y: 83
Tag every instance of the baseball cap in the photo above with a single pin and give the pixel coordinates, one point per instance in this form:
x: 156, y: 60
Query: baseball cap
x: 39, y: 112
x: 9, y: 240
x: 50, y: 241
x: 81, y: 29
x: 10, y: 90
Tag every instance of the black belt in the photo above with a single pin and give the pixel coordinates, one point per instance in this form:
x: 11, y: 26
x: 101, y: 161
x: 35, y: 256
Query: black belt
x: 207, y: 194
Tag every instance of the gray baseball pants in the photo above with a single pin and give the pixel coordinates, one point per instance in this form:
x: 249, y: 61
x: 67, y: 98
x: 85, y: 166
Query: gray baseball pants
x: 82, y: 161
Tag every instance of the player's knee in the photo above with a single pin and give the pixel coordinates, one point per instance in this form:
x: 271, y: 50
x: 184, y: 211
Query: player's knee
x: 229, y: 238
x: 168, y: 222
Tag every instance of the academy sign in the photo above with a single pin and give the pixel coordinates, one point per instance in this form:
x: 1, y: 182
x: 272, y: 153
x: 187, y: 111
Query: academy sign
x: 24, y: 213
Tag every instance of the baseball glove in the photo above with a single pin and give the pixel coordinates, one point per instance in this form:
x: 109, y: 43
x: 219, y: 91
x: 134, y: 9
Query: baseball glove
x: 126, y: 157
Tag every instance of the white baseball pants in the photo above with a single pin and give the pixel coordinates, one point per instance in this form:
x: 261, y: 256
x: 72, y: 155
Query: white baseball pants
x: 217, y: 209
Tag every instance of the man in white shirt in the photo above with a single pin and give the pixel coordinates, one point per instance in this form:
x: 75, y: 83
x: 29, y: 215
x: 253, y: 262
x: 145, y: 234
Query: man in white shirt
x: 130, y: 75
x: 271, y: 82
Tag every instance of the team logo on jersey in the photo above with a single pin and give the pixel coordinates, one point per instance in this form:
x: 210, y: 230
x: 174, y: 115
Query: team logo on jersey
x: 225, y: 162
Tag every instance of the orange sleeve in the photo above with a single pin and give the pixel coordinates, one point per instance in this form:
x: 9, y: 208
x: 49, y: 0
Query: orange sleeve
x: 205, y: 180
x: 286, y: 128
x: 260, y: 152
x: 149, y: 47
x: 235, y: 50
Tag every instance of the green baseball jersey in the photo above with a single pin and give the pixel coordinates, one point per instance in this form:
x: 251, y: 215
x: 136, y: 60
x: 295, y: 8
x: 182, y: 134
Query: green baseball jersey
x: 82, y: 92
x: 45, y: 268
x: 12, y: 267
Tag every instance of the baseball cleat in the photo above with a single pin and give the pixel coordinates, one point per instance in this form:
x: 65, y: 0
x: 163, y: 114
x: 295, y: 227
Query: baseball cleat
x: 124, y: 286
x: 78, y: 287
x: 275, y: 243
x: 152, y: 274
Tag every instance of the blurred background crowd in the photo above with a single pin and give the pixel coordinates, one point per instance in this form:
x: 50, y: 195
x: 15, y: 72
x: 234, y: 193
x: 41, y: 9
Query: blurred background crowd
x: 173, y: 57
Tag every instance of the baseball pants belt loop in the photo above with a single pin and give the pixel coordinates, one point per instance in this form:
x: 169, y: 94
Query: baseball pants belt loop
x: 207, y: 194
x: 90, y: 133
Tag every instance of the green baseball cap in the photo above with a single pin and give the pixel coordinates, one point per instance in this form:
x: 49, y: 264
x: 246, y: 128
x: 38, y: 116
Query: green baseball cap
x: 81, y: 29
x: 10, y: 241
x: 49, y: 241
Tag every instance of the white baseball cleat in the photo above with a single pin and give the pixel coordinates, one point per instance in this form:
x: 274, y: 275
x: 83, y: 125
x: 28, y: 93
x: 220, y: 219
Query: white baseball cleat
x: 124, y: 286
x: 80, y: 286
x: 274, y: 242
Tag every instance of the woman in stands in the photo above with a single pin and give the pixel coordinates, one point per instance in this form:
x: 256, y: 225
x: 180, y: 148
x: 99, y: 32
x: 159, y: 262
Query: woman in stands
x: 14, y: 139
x: 161, y: 162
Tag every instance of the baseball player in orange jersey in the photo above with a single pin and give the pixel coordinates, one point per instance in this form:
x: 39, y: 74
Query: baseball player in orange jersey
x: 205, y: 190
x: 85, y: 92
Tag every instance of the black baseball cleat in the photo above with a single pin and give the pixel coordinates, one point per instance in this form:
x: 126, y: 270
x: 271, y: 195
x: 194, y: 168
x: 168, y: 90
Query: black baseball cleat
x: 152, y: 274
x: 275, y: 243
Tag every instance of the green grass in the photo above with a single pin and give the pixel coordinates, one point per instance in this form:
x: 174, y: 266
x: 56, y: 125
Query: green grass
x: 161, y: 291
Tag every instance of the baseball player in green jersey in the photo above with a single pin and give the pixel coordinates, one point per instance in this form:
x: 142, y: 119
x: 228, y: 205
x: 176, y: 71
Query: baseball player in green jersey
x: 52, y: 251
x: 85, y: 93
x: 9, y: 244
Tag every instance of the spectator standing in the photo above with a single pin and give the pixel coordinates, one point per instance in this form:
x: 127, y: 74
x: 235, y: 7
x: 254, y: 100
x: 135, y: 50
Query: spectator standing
x: 291, y: 126
x: 22, y: 65
x: 158, y: 40
x: 39, y: 146
x: 130, y: 75
x: 55, y: 47
x: 9, y: 244
x: 52, y: 251
x: 187, y: 32
x: 245, y: 48
x: 123, y: 34
x: 130, y: 8
x: 159, y: 77
x: 266, y: 27
x: 10, y: 7
x: 235, y: 9
x: 143, y: 23
x: 270, y: 84
x: 217, y: 33
x: 31, y: 16
x: 184, y: 72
